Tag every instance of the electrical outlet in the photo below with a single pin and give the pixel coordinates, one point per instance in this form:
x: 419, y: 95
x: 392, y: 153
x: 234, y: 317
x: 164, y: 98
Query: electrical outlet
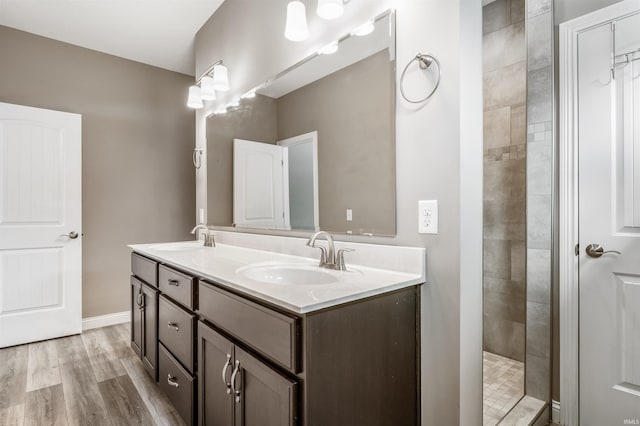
x: 349, y: 215
x: 201, y: 215
x: 428, y: 216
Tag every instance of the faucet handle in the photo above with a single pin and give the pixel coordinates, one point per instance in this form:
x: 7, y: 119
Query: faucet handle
x: 341, y: 266
x: 323, y: 255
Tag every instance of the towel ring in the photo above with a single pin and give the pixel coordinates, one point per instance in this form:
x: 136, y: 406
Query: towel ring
x: 425, y: 61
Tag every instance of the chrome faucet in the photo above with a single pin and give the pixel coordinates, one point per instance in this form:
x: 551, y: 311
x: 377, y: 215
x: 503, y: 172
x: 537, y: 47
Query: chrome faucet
x: 209, y: 240
x: 328, y: 257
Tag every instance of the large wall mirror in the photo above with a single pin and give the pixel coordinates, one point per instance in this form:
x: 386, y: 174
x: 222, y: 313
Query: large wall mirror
x: 314, y: 147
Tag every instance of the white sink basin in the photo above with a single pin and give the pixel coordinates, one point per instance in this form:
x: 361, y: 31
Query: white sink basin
x: 173, y: 247
x: 288, y: 274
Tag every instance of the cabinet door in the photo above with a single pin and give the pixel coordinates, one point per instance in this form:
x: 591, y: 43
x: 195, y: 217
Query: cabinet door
x: 136, y: 316
x: 215, y: 365
x: 262, y: 396
x: 150, y: 330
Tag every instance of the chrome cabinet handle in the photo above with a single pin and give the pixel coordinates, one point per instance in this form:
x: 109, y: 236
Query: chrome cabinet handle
x: 171, y: 381
x: 224, y: 374
x: 72, y: 235
x: 173, y: 325
x: 139, y: 300
x: 236, y: 391
x: 596, y: 250
x: 174, y: 283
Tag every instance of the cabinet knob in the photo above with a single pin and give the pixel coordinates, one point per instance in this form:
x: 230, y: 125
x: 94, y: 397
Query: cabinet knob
x: 172, y: 381
x: 236, y: 390
x: 224, y: 374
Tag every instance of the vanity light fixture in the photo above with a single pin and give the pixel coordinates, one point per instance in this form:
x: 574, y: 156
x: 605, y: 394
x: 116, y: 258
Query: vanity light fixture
x: 364, y: 29
x: 330, y: 9
x: 329, y: 49
x: 195, y: 98
x: 296, y: 26
x: 250, y: 94
x: 215, y: 78
x: 207, y: 90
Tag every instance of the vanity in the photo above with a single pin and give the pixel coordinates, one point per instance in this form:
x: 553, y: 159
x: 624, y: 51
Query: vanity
x: 235, y: 334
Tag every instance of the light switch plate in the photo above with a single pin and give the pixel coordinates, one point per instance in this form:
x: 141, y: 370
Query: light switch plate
x: 201, y: 215
x: 428, y: 216
x: 349, y: 215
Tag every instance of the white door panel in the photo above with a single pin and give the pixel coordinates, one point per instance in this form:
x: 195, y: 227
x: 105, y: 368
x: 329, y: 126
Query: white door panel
x: 40, y: 202
x: 257, y: 185
x: 609, y: 286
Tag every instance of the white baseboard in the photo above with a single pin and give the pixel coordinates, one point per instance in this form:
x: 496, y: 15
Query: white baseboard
x: 555, y: 411
x: 105, y: 320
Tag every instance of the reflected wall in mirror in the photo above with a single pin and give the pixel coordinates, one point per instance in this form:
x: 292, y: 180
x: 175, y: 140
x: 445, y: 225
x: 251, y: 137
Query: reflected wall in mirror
x: 315, y: 147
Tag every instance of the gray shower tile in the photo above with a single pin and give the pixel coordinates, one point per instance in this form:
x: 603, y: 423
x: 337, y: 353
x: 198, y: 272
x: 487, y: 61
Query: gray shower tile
x: 496, y: 15
x: 505, y: 180
x: 539, y: 221
x: 497, y: 127
x: 539, y: 168
x: 515, y: 289
x: 497, y: 259
x: 504, y: 337
x: 505, y: 86
x: 539, y: 95
x: 518, y: 10
x: 539, y: 275
x: 504, y: 306
x: 518, y: 124
x: 505, y: 231
x: 539, y: 42
x: 538, y: 7
x: 538, y: 377
x: 538, y: 329
x: 518, y: 261
x: 503, y: 47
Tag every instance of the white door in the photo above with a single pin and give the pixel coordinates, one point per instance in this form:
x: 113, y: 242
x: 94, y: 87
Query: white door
x: 40, y: 202
x: 609, y: 216
x: 257, y: 185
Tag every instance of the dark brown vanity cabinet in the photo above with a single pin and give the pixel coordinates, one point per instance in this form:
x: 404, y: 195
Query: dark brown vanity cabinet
x: 144, y: 314
x: 238, y: 389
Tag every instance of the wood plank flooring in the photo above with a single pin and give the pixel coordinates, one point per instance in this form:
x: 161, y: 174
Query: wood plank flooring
x: 92, y: 379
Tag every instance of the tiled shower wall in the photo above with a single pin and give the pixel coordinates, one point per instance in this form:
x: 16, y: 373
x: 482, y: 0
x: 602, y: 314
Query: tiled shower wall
x: 505, y: 150
x: 540, y: 183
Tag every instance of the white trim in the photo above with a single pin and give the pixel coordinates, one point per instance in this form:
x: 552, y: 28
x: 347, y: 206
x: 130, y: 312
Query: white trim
x: 105, y: 320
x: 555, y: 411
x: 568, y: 261
x: 296, y: 140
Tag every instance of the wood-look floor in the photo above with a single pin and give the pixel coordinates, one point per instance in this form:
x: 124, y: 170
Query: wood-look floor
x: 92, y: 379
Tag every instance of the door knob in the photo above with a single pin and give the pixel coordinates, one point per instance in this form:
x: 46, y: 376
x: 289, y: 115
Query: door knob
x: 596, y: 250
x: 73, y: 235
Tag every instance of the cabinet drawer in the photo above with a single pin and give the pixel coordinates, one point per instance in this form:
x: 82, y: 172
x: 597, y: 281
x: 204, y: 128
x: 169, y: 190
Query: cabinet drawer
x: 177, y: 383
x: 273, y: 334
x: 177, y: 331
x: 177, y: 285
x: 145, y: 269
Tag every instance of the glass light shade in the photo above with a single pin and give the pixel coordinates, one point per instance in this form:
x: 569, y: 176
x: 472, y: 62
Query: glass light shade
x: 296, y: 27
x: 207, y: 90
x: 330, y: 9
x: 364, y: 29
x: 329, y: 49
x: 220, y: 78
x: 195, y: 98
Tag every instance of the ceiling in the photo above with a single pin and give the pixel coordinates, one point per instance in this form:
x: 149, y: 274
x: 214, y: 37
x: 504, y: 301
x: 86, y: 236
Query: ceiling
x: 155, y: 32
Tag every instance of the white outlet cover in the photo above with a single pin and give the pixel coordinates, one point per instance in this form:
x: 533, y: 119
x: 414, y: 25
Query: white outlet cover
x: 428, y: 216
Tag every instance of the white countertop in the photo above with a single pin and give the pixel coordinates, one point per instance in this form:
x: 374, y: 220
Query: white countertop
x: 225, y: 264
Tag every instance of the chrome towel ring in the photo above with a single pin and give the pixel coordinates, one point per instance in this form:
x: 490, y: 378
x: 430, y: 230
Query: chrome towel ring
x: 425, y: 60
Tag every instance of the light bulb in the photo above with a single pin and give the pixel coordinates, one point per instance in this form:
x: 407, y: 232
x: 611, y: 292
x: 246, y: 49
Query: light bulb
x: 296, y: 26
x: 329, y: 49
x: 195, y: 98
x: 220, y: 78
x: 364, y: 29
x: 207, y: 91
x: 330, y: 9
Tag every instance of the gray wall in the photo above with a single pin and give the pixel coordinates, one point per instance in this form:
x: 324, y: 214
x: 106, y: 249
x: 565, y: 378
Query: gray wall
x: 504, y: 50
x: 253, y: 120
x: 353, y: 114
x: 137, y: 137
x: 438, y: 156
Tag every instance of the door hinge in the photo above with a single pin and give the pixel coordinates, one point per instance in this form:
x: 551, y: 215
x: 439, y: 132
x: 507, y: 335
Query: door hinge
x: 576, y: 250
